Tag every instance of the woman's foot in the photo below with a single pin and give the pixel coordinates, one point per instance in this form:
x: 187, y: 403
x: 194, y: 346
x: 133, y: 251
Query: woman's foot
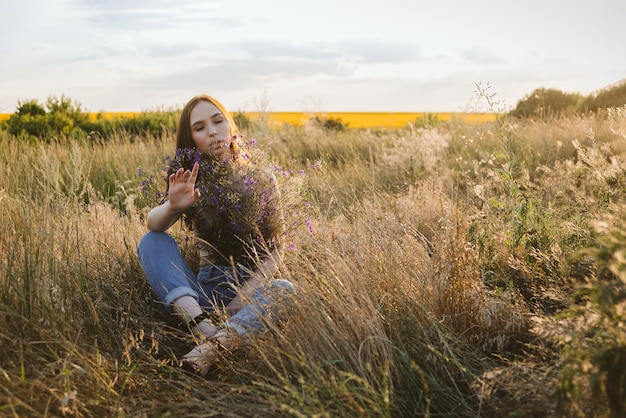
x: 200, y: 358
x: 204, y: 355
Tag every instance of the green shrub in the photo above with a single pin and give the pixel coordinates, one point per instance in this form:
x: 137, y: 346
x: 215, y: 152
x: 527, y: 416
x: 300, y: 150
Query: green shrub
x: 151, y: 122
x: 58, y: 117
x: 242, y: 121
x: 330, y: 123
x: 598, y: 350
x: 545, y: 103
x: 426, y: 121
x: 611, y: 96
x: 30, y: 107
x: 63, y: 118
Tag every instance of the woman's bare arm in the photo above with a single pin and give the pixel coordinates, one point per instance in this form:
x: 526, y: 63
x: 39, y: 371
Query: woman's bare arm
x: 262, y: 274
x: 182, y: 195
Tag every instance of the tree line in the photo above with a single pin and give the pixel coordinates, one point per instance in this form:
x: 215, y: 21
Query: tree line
x: 62, y: 117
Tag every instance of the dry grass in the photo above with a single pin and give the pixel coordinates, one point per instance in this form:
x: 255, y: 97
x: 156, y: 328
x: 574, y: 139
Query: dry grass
x: 431, y: 285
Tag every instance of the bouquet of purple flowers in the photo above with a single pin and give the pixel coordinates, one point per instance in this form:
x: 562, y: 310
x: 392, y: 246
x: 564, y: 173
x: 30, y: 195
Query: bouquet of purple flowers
x: 238, y: 214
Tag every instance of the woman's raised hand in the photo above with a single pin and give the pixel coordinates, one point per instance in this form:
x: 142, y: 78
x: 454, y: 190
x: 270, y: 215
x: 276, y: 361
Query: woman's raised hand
x: 182, y: 188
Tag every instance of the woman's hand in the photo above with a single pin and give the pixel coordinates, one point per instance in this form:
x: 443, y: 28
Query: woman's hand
x: 182, y: 195
x: 182, y: 189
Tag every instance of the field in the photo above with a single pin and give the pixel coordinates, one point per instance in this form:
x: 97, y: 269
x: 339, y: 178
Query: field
x: 352, y: 119
x: 373, y: 119
x: 453, y: 269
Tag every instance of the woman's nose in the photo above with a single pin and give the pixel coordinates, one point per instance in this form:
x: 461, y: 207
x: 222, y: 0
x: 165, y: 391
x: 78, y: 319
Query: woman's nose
x: 212, y: 130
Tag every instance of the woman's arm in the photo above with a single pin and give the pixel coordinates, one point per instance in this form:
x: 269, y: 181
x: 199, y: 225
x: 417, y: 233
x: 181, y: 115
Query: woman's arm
x: 161, y: 217
x: 182, y: 193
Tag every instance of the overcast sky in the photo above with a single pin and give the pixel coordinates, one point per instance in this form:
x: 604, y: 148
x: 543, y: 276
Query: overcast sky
x: 322, y: 55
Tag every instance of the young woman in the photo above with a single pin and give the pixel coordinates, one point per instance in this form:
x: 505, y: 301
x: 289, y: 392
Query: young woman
x: 232, y: 205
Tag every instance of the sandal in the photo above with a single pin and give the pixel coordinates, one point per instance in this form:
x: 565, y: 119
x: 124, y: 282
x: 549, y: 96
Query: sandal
x: 200, y: 358
x: 204, y: 355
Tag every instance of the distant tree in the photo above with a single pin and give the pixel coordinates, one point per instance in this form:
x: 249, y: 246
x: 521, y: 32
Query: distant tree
x: 544, y: 103
x: 64, y: 105
x: 30, y: 107
x: 28, y: 120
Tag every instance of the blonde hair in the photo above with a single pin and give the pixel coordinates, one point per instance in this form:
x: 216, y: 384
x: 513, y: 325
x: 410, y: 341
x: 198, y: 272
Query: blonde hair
x: 183, y: 134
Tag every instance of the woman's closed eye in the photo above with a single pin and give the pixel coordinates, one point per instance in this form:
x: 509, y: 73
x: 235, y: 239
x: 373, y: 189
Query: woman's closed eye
x: 198, y: 126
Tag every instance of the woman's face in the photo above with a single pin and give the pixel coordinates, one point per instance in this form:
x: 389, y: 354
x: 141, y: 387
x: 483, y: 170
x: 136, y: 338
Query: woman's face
x: 210, y: 130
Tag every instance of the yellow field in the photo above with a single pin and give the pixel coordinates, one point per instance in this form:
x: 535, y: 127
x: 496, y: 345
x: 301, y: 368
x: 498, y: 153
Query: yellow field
x: 352, y: 119
x: 373, y: 119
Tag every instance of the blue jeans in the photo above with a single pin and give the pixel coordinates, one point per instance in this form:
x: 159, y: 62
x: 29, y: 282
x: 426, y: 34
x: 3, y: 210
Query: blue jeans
x: 214, y: 287
x: 263, y: 306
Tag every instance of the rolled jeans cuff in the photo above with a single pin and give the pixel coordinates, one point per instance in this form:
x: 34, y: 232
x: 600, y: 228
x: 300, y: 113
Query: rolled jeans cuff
x: 179, y: 292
